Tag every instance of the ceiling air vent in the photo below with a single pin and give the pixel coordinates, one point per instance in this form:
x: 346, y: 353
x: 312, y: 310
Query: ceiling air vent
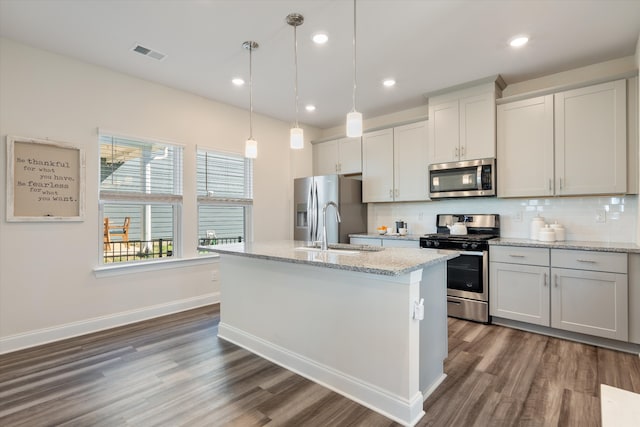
x: 149, y: 52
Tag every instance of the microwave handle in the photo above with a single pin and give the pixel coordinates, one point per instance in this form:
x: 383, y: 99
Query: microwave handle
x: 479, y: 178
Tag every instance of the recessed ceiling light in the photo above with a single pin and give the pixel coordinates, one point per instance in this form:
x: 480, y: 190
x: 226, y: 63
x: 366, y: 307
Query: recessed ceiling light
x: 388, y: 82
x: 320, y: 38
x: 237, y: 81
x: 310, y: 107
x: 519, y: 41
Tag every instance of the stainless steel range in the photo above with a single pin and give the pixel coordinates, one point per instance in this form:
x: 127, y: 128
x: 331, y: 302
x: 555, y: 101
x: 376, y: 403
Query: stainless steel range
x: 468, y: 274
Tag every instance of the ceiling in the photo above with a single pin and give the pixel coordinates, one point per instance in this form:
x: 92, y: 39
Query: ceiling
x: 426, y: 45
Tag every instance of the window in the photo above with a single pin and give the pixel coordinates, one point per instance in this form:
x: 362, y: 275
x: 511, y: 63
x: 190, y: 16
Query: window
x: 225, y: 197
x: 140, y: 198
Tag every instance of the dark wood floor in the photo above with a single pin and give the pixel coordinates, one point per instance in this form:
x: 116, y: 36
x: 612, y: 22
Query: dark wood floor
x: 174, y: 371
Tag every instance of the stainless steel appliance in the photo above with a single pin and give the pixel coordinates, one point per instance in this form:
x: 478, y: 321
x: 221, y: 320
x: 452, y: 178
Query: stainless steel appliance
x: 468, y: 274
x: 470, y: 178
x: 312, y: 193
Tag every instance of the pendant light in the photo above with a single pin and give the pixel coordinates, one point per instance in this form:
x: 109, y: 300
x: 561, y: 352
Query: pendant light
x: 296, y: 139
x: 354, y: 118
x: 251, y: 145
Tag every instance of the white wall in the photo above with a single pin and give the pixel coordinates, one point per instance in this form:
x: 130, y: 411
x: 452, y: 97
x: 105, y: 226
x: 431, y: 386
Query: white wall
x: 48, y: 288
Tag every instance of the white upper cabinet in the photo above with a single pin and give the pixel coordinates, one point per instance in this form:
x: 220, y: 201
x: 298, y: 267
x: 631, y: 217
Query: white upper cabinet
x: 394, y: 164
x: 568, y: 143
x: 462, y: 125
x: 410, y: 162
x: 591, y: 139
x: 342, y: 156
x: 525, y: 148
x: 377, y: 166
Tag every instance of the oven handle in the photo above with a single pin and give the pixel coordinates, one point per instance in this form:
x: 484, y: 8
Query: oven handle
x: 480, y: 253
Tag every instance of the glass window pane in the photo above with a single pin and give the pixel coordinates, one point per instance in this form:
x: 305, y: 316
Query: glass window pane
x: 221, y: 221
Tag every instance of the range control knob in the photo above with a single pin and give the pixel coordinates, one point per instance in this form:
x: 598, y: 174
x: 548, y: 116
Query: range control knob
x: 427, y: 243
x: 465, y: 245
x: 436, y: 244
x: 474, y: 246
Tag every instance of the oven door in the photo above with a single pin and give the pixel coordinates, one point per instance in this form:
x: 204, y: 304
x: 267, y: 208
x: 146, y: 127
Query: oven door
x: 467, y: 276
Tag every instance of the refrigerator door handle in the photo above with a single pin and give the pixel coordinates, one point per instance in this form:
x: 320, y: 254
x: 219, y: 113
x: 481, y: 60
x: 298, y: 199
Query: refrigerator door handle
x: 315, y: 212
x: 310, y: 211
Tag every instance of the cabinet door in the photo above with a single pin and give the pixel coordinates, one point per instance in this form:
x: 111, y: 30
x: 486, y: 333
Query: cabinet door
x: 519, y: 292
x: 525, y: 148
x: 590, y: 302
x: 377, y: 166
x: 410, y: 162
x: 478, y: 127
x: 350, y: 155
x: 444, y: 132
x: 591, y: 138
x: 325, y: 158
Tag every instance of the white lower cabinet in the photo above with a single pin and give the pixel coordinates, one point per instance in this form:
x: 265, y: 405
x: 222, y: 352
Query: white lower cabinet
x: 520, y: 292
x: 574, y: 290
x: 519, y: 284
x: 365, y: 241
x: 388, y: 243
x: 589, y: 293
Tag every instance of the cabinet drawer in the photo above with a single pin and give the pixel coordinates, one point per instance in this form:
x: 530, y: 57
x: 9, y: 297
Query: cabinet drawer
x: 589, y: 260
x: 519, y: 255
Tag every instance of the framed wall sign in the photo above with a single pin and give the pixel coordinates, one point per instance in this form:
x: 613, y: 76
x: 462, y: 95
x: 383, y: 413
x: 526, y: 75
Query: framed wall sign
x: 45, y: 180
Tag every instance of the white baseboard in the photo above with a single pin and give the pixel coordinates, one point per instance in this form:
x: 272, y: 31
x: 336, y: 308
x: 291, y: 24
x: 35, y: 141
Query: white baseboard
x: 74, y: 329
x: 433, y: 387
x: 404, y: 411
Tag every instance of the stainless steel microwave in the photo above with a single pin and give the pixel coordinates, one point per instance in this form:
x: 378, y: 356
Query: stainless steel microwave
x: 472, y: 178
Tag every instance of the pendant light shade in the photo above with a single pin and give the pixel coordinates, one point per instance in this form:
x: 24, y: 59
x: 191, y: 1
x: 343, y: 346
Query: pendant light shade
x: 296, y: 137
x: 354, y: 118
x: 251, y: 145
x: 251, y: 148
x: 354, y: 124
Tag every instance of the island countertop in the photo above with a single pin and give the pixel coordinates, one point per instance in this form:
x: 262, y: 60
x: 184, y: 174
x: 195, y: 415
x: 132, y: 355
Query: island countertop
x: 388, y: 261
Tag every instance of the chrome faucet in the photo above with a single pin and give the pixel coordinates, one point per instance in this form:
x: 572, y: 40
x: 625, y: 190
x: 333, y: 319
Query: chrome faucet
x: 324, y: 243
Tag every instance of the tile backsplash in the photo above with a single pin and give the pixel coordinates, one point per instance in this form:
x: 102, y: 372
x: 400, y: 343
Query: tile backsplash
x: 598, y: 218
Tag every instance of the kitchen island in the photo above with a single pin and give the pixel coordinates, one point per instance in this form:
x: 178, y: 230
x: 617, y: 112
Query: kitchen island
x: 342, y: 318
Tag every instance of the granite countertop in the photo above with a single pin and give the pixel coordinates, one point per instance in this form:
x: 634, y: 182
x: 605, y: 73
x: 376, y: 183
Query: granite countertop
x: 415, y: 237
x: 387, y: 262
x: 569, y: 244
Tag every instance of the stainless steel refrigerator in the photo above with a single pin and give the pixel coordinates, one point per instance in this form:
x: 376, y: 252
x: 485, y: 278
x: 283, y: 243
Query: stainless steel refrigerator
x: 309, y: 197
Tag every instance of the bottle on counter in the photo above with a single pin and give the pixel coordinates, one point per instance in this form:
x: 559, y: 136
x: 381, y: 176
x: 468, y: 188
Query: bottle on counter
x: 559, y: 230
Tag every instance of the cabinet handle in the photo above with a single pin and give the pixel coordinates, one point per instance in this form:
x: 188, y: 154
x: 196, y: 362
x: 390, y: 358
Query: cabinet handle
x: 561, y: 183
x: 555, y: 278
x: 545, y: 280
x: 589, y: 261
x: 462, y: 151
x: 391, y: 193
x: 455, y: 152
x: 550, y: 189
x: 516, y: 256
x: 397, y: 192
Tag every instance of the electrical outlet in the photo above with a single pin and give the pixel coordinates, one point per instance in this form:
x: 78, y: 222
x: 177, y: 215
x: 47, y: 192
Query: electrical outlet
x: 214, y: 276
x: 517, y: 217
x: 421, y: 216
x: 601, y: 216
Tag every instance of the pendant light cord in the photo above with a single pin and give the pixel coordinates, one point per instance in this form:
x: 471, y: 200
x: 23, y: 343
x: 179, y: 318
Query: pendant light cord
x: 250, y: 91
x: 295, y: 56
x: 354, y: 55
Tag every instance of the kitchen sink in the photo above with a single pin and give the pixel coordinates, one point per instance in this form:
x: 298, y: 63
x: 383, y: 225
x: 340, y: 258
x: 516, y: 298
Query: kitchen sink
x: 342, y: 248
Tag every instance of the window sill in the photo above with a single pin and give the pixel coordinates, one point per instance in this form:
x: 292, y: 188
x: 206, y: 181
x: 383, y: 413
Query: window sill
x: 128, y: 268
